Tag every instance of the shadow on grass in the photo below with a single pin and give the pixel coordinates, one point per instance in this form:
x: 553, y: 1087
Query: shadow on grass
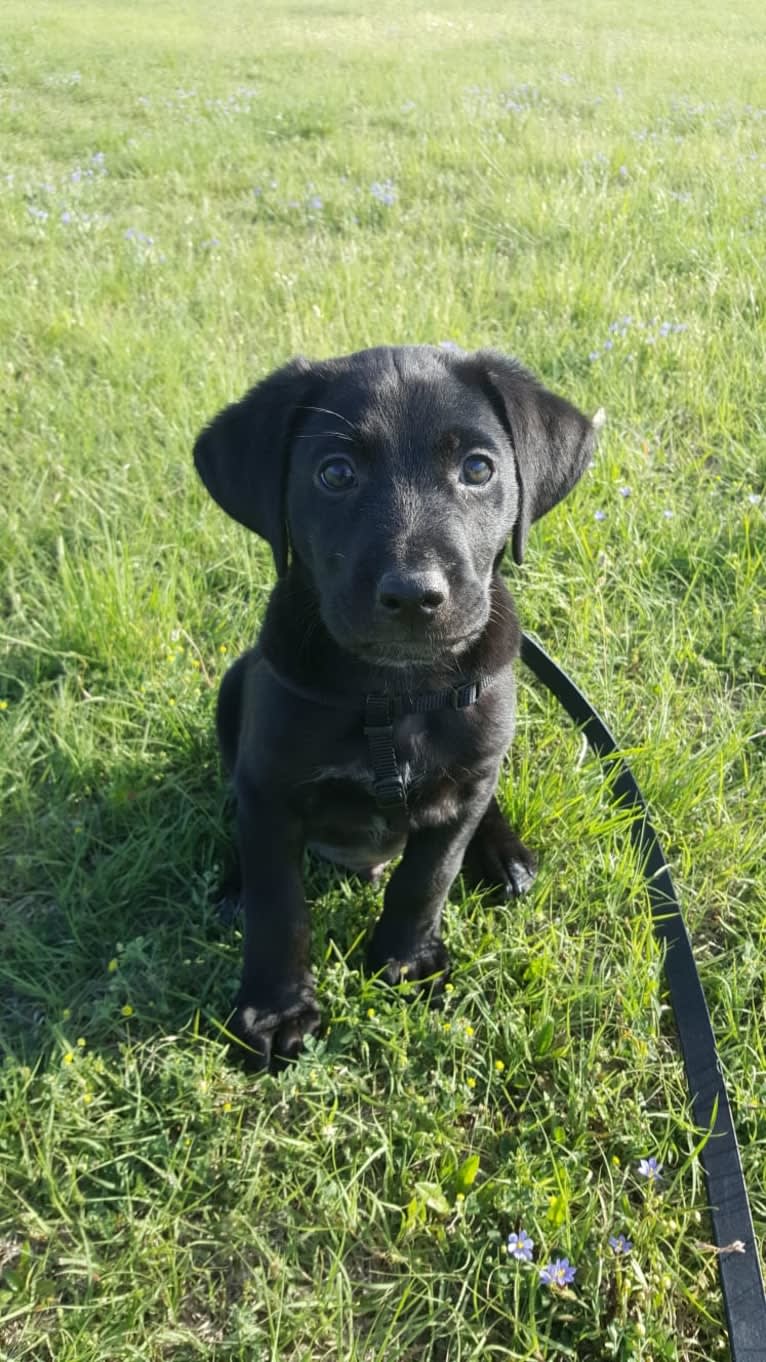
x: 119, y: 917
x: 109, y: 915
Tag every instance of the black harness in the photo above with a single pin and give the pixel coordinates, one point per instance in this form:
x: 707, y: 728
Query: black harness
x: 378, y: 713
x: 732, y: 1223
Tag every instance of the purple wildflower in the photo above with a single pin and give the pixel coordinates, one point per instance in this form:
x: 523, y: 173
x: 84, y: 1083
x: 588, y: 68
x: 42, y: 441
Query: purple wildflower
x: 66, y: 216
x: 624, y: 491
x: 619, y: 1243
x: 650, y: 1169
x: 558, y: 1273
x: 383, y: 191
x: 520, y: 1246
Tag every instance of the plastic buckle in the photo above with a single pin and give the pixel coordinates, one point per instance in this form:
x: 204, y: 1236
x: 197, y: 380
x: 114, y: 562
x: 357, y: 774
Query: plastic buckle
x: 378, y: 713
x: 390, y: 792
x: 465, y: 695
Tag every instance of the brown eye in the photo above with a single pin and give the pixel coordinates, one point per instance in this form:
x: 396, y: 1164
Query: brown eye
x: 337, y: 475
x: 476, y: 470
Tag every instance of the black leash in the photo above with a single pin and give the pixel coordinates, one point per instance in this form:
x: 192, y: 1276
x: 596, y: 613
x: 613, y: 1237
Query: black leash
x: 738, y: 1264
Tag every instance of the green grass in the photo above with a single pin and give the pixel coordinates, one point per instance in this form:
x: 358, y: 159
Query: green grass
x: 555, y: 169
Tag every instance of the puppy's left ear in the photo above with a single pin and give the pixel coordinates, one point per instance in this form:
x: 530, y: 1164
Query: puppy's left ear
x: 242, y: 456
x: 552, y: 440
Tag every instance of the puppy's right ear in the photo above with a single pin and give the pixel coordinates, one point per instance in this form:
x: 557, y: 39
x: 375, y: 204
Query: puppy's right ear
x: 243, y: 455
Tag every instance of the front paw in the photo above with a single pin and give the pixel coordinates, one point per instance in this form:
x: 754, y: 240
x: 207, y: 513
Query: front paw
x: 425, y: 962
x: 267, y: 1037
x: 498, y: 861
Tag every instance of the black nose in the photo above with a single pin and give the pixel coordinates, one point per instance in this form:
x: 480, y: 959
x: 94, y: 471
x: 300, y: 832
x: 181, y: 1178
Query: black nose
x: 417, y: 595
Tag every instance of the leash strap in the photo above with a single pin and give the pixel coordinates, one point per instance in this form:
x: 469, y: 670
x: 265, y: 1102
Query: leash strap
x: 738, y: 1264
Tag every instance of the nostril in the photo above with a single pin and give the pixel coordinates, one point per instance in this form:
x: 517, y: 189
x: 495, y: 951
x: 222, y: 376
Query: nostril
x: 431, y: 600
x: 389, y: 601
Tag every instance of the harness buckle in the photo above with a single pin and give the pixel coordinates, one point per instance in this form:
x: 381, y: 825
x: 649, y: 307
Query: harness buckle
x: 390, y: 792
x: 465, y: 695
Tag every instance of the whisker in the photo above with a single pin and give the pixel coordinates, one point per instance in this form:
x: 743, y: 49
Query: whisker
x: 322, y: 434
x: 328, y: 411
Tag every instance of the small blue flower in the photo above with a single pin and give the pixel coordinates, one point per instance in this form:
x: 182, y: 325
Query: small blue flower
x: 66, y: 216
x: 599, y: 515
x: 383, y: 191
x: 650, y: 1169
x: 619, y: 1243
x: 558, y: 1273
x: 315, y: 203
x: 594, y: 355
x: 625, y: 492
x: 520, y: 1246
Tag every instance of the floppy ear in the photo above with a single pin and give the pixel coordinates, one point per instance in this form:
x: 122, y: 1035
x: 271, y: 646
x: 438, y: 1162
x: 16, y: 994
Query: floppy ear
x: 242, y: 456
x: 552, y: 440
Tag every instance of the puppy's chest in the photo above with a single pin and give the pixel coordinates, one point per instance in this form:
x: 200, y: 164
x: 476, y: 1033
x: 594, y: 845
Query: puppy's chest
x: 433, y: 762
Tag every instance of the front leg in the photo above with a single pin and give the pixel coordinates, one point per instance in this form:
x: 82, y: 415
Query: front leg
x: 276, y: 1005
x: 406, y: 943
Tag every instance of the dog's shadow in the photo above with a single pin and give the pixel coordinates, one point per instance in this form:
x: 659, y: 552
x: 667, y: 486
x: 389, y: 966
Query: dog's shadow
x: 109, y: 922
x: 121, y: 918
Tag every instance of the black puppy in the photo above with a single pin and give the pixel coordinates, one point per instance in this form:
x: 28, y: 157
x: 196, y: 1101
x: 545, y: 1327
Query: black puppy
x: 372, y: 716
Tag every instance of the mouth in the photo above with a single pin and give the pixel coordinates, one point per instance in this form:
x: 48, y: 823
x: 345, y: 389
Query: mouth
x: 384, y: 653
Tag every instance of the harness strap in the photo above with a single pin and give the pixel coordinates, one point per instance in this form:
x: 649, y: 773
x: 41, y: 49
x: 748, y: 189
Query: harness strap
x: 738, y: 1264
x: 379, y: 712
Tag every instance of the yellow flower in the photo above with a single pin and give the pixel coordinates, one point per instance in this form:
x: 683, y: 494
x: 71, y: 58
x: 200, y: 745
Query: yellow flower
x: 171, y: 701
x: 222, y: 648
x: 471, y: 1082
x: 82, y: 1042
x: 113, y: 965
x: 371, y: 1012
x: 3, y: 704
x: 227, y: 1106
x: 469, y: 1030
x: 499, y: 1065
x: 87, y: 1098
x: 127, y: 1010
x: 69, y: 1057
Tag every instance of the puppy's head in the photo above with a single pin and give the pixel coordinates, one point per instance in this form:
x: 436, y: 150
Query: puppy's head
x: 395, y: 477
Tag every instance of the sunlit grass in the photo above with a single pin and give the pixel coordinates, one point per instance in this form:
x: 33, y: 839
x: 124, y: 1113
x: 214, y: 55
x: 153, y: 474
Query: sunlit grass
x: 188, y: 196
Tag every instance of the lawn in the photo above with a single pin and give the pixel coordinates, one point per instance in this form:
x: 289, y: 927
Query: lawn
x: 189, y: 195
